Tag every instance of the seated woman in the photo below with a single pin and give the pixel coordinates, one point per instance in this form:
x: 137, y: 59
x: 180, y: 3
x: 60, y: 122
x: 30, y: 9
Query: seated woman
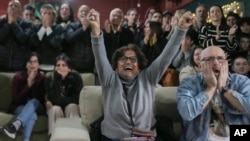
x: 193, y: 68
x: 63, y: 88
x: 128, y: 87
x: 27, y: 98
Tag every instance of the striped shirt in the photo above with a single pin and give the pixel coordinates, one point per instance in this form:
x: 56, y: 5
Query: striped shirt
x: 207, y: 38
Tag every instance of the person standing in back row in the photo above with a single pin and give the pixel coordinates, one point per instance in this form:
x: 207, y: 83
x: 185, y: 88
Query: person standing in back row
x: 14, y: 38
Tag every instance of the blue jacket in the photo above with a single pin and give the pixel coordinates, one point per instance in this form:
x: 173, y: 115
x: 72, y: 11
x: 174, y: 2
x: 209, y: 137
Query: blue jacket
x: 191, y: 98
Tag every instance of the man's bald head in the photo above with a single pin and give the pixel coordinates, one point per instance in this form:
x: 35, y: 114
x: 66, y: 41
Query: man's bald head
x: 212, y: 51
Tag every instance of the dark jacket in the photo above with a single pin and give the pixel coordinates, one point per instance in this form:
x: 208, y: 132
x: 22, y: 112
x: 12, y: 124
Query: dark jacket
x: 21, y: 93
x: 14, y: 41
x: 152, y: 52
x: 62, y: 92
x: 79, y: 48
x: 138, y: 33
x: 50, y: 46
x: 116, y: 40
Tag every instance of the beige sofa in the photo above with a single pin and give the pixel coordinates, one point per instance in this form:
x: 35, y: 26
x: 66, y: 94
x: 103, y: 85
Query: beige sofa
x: 91, y: 106
x: 41, y: 126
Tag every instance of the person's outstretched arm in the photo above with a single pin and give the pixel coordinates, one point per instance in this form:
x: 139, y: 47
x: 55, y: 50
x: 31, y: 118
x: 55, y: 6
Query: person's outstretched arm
x: 163, y: 61
x: 103, y: 67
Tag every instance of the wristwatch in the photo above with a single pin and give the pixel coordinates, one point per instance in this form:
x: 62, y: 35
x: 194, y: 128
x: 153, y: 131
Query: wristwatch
x: 224, y: 89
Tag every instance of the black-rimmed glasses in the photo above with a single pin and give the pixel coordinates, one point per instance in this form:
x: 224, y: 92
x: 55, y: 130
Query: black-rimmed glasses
x: 124, y: 59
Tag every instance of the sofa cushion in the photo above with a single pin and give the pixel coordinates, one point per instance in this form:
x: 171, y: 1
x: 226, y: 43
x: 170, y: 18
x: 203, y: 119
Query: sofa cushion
x: 41, y: 124
x: 5, y: 90
x: 5, y: 118
x: 90, y: 102
x: 88, y: 79
x: 166, y: 104
x: 70, y: 129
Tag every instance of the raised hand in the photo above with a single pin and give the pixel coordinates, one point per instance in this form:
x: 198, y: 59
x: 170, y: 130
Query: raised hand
x: 174, y: 21
x: 94, y: 21
x: 209, y: 77
x: 107, y: 26
x: 186, y: 20
x: 47, y: 21
x: 231, y: 33
x: 218, y: 34
x: 13, y: 16
x: 154, y: 38
x: 222, y: 80
x: 31, y: 77
x: 233, y: 30
x: 119, y: 28
x: 146, y: 38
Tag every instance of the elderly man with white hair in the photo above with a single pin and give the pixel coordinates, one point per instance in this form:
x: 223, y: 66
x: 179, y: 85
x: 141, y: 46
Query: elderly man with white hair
x: 115, y: 35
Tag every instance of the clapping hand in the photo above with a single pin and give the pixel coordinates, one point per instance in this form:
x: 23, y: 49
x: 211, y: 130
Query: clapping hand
x: 31, y: 77
x: 107, y: 26
x: 208, y: 73
x: 222, y: 80
x: 218, y: 33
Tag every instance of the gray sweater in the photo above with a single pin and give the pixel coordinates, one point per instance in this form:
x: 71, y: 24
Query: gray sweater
x: 140, y: 95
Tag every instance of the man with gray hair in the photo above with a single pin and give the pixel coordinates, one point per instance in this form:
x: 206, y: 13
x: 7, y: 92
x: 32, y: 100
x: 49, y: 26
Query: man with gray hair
x: 115, y: 36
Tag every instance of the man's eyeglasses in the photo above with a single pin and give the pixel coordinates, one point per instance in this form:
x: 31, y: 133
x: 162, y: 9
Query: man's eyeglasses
x: 124, y: 59
x: 212, y: 59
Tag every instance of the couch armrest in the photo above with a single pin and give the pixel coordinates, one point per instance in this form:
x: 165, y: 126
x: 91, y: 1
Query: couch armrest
x: 88, y: 79
x: 166, y: 105
x: 5, y: 90
x: 91, y: 105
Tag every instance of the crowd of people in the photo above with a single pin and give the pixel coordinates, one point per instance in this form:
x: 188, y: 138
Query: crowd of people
x: 207, y: 61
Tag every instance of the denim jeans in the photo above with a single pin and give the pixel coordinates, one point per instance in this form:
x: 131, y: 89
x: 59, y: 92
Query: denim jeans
x: 27, y: 115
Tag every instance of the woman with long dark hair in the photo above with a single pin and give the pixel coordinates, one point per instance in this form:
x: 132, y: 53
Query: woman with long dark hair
x: 217, y: 32
x: 63, y: 88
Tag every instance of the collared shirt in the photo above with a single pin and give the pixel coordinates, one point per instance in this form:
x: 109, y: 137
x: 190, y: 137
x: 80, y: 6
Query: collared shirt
x: 44, y: 31
x: 191, y: 98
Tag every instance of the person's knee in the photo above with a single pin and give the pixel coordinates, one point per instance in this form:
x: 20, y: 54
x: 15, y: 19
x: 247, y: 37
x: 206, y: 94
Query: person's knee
x: 72, y: 110
x: 56, y: 111
x: 71, y: 107
x: 33, y: 101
